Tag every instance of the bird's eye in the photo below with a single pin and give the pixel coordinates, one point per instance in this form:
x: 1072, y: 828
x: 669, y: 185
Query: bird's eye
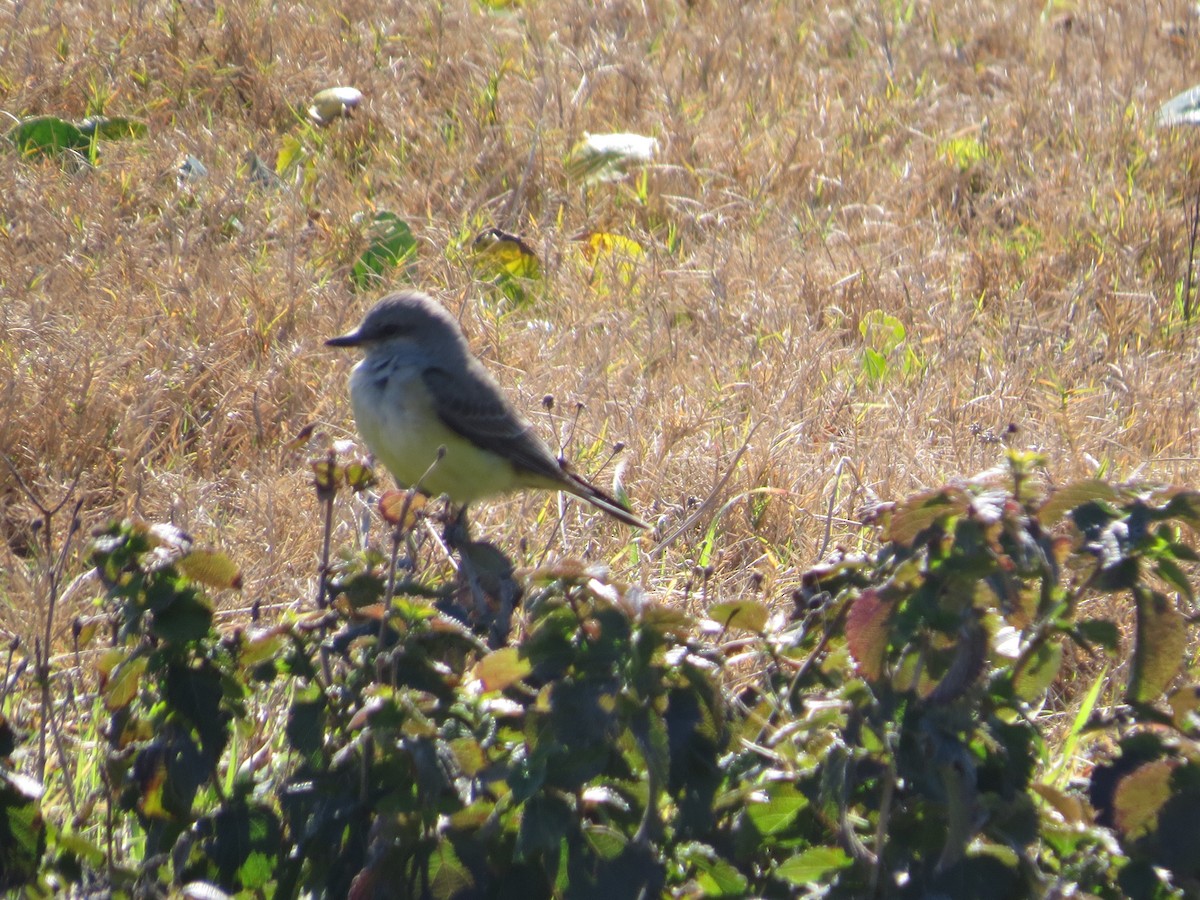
x: 391, y: 330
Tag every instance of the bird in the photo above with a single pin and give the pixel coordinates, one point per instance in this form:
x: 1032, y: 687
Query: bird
x: 436, y: 418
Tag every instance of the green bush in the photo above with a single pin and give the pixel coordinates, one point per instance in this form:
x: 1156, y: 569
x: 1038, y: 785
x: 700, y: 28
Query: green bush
x: 887, y: 738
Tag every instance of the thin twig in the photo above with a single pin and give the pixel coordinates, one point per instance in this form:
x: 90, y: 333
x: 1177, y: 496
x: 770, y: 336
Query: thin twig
x: 709, y: 500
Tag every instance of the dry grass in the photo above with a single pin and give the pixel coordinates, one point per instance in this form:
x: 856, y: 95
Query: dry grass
x: 990, y: 177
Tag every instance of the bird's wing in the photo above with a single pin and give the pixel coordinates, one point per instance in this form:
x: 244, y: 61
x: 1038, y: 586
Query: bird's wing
x: 471, y: 404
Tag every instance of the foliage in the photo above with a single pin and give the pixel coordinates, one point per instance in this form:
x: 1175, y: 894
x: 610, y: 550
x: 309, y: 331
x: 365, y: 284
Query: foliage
x: 884, y: 741
x: 51, y: 136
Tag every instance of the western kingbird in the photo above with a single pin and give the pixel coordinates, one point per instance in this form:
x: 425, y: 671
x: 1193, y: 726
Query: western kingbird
x: 419, y: 388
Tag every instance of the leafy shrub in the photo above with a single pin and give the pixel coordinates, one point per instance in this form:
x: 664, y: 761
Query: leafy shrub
x: 883, y: 739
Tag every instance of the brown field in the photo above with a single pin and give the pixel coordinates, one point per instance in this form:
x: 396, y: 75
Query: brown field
x: 987, y: 173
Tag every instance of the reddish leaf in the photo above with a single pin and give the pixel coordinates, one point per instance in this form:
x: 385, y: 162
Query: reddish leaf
x: 867, y: 632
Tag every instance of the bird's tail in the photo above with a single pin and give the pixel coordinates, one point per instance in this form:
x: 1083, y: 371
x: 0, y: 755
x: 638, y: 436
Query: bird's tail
x: 602, y: 501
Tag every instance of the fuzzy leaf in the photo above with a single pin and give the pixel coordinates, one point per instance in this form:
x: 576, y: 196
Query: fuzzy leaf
x: 211, y: 568
x: 1158, y: 649
x: 1140, y: 795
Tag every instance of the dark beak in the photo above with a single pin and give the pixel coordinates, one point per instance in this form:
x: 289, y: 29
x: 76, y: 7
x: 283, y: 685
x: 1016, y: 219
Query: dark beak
x: 350, y: 339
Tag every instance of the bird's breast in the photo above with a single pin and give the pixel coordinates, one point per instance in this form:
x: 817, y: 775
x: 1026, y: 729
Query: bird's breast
x: 398, y: 421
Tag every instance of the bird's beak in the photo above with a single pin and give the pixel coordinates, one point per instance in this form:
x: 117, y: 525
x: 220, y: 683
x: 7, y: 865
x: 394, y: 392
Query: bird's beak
x: 349, y: 339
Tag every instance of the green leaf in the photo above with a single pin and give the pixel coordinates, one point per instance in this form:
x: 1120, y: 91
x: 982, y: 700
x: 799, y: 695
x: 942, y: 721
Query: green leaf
x: 48, y: 136
x: 1158, y: 648
x: 22, y: 830
x: 501, y: 668
x: 188, y: 617
x: 1103, y: 632
x: 874, y: 365
x: 749, y: 615
x: 123, y: 684
x: 1038, y: 670
x: 1185, y: 703
x: 784, y: 803
x: 718, y: 878
x: 1073, y: 495
x: 920, y: 511
x: 545, y: 821
x: 814, y: 866
x: 111, y: 128
x: 306, y: 720
x: 1170, y: 572
x: 391, y: 245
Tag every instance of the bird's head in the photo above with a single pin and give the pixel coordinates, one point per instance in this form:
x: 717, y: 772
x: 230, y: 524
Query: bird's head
x: 406, y: 316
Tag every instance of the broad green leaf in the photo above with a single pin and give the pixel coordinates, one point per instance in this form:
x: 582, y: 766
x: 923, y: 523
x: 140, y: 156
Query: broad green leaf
x: 918, y: 512
x: 1037, y: 671
x: 1068, y: 806
x: 262, y: 645
x: 1169, y: 571
x: 814, y: 866
x: 306, y: 720
x: 545, y: 821
x: 47, y: 136
x: 22, y: 828
x: 874, y: 365
x: 111, y: 128
x: 391, y: 246
x: 719, y: 878
x: 748, y: 615
x: 1185, y: 704
x: 122, y: 685
x: 784, y: 803
x: 292, y: 153
x: 1099, y: 631
x: 882, y: 332
x: 188, y: 617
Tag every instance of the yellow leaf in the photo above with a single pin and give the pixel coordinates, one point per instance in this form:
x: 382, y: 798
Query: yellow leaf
x: 501, y: 668
x: 123, y: 684
x: 500, y: 253
x: 212, y: 568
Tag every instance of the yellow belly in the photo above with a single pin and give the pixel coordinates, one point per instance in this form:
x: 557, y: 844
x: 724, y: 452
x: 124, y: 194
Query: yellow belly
x: 400, y: 427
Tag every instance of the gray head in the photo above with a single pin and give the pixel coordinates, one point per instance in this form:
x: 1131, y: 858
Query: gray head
x: 410, y: 317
